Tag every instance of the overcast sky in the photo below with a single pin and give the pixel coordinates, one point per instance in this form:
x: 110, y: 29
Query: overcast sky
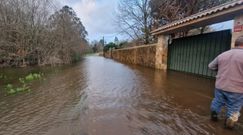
x: 97, y: 16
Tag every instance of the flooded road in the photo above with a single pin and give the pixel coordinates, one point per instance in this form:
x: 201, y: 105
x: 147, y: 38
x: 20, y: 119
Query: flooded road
x: 102, y: 97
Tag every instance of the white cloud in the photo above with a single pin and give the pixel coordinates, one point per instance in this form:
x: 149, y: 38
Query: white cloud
x: 97, y: 16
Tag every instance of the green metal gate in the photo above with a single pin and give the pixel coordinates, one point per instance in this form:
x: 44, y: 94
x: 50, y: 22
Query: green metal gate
x: 193, y: 54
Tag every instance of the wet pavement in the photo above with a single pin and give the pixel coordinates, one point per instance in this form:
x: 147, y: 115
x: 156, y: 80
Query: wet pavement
x: 99, y: 96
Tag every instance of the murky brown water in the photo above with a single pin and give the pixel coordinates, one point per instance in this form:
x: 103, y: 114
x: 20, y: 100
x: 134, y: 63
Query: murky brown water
x: 103, y: 97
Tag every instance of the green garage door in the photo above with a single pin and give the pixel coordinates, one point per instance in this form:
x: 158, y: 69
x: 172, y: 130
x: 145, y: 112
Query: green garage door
x: 193, y: 54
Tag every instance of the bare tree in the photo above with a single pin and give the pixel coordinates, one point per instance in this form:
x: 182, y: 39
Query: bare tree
x: 166, y: 11
x: 21, y: 28
x: 31, y: 34
x: 136, y: 17
x: 133, y: 18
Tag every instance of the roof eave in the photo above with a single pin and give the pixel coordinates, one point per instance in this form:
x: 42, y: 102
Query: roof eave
x: 220, y: 16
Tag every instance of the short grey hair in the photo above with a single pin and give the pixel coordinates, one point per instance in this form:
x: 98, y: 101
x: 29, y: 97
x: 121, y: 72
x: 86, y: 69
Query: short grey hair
x: 239, y: 41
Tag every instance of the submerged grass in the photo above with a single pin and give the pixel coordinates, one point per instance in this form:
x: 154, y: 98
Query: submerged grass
x: 2, y: 77
x: 24, y: 83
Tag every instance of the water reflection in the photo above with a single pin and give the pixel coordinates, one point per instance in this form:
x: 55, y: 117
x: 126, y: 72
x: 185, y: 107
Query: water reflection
x: 103, y: 97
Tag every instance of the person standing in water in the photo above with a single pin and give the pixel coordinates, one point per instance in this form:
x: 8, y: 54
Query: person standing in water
x: 229, y: 84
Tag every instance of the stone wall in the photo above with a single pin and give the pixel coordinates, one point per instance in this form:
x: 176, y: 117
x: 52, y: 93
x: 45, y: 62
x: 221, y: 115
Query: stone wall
x: 107, y: 54
x: 146, y: 55
x: 154, y: 55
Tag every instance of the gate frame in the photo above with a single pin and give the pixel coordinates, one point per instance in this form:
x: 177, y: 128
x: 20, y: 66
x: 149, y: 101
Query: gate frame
x: 200, y: 36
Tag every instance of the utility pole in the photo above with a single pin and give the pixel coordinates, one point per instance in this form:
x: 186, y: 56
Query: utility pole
x: 103, y: 41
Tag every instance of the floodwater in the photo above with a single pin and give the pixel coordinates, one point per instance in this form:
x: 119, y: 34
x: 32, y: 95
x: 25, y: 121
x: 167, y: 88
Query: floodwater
x: 99, y: 96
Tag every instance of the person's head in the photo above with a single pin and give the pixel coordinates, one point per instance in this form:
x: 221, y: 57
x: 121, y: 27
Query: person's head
x: 239, y: 42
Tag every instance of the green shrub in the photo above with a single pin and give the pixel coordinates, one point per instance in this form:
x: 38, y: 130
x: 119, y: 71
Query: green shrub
x: 110, y: 45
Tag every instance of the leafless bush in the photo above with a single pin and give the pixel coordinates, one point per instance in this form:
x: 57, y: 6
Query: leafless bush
x: 31, y: 32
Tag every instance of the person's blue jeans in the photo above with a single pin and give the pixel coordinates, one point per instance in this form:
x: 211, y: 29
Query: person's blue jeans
x: 232, y: 101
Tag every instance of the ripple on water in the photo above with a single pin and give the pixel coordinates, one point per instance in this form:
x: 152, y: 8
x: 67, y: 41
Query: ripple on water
x: 103, y: 97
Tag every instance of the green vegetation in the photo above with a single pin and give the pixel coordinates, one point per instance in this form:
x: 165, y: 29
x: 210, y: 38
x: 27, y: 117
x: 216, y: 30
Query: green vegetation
x: 113, y: 45
x: 24, y: 83
x: 31, y: 77
x: 110, y: 45
x: 2, y: 77
x: 89, y: 54
x: 13, y: 90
